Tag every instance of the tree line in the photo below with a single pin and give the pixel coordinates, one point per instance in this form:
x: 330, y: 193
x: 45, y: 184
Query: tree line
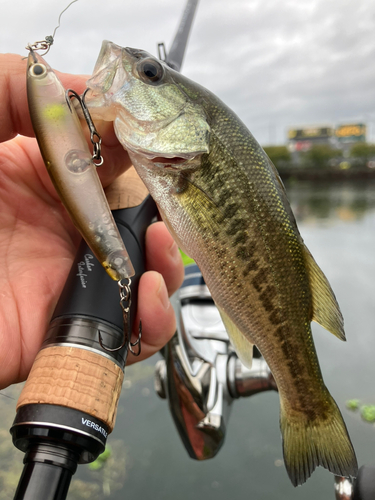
x: 322, y: 156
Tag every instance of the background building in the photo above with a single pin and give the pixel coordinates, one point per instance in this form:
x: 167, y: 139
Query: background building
x: 349, y: 134
x: 342, y: 137
x: 302, y: 139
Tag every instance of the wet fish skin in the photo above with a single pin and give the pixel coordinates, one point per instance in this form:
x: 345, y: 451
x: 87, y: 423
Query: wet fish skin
x: 225, y: 205
x: 69, y: 163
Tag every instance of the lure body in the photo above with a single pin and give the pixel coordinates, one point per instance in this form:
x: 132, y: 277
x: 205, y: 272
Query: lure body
x: 71, y: 168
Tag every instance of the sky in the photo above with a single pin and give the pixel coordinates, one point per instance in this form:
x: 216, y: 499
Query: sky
x: 276, y: 63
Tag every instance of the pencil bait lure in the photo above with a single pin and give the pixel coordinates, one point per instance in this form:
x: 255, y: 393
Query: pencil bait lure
x: 71, y: 167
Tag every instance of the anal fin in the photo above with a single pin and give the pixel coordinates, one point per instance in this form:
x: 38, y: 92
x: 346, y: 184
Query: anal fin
x: 326, y: 310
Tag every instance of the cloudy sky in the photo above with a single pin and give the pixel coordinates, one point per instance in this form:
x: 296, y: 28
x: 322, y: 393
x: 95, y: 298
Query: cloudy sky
x: 276, y: 63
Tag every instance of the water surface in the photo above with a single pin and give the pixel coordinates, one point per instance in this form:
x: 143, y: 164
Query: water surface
x: 148, y: 460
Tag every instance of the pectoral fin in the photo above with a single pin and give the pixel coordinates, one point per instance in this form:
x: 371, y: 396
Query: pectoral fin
x: 326, y: 310
x: 241, y: 344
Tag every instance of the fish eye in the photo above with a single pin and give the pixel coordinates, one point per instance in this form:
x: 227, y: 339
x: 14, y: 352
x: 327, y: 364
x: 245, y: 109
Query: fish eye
x: 150, y: 71
x: 38, y: 70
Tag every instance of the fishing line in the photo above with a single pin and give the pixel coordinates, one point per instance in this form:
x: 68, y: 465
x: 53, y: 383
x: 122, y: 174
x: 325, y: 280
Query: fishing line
x: 6, y: 396
x: 61, y: 13
x: 49, y: 39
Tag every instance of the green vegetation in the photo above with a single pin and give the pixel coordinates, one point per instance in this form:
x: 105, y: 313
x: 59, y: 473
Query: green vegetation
x: 352, y: 404
x: 322, y: 157
x: 279, y: 155
x: 186, y: 259
x: 362, y: 150
x: 101, y: 460
x: 319, y: 156
x: 368, y: 413
x: 106, y: 477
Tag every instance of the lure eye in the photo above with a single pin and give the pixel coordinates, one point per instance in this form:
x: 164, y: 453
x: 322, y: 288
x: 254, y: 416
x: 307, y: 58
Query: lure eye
x: 38, y: 70
x: 150, y: 71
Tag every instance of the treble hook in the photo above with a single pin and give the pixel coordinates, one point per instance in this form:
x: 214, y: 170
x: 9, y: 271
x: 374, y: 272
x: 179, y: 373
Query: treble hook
x: 108, y: 349
x: 125, y: 303
x: 32, y: 53
x: 137, y: 342
x: 94, y: 134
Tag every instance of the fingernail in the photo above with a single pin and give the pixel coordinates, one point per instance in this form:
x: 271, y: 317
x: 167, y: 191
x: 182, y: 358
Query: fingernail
x: 174, y: 252
x: 163, y: 293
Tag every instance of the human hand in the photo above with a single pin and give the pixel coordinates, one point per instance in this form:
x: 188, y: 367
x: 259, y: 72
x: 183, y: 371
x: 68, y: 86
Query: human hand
x: 38, y: 241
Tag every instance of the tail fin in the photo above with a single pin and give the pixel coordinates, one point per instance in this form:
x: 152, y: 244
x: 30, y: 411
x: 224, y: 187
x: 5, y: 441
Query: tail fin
x: 323, y: 442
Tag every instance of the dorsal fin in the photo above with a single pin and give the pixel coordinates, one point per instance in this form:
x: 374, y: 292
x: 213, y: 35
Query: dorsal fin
x: 326, y: 310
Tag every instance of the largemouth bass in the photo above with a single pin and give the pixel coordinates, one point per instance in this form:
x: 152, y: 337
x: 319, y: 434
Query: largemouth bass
x: 223, y: 201
x: 69, y: 163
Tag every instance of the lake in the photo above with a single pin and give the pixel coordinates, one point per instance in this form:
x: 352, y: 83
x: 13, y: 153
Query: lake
x: 148, y: 461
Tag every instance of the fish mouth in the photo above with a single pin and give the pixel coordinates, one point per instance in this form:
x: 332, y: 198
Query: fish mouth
x: 176, y: 160
x: 107, y: 78
x: 170, y: 162
x: 175, y: 163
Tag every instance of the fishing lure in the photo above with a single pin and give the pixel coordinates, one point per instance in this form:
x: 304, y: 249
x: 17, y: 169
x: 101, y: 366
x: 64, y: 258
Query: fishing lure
x: 71, y: 167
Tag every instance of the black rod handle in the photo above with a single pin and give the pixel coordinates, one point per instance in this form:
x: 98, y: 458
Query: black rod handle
x: 57, y: 431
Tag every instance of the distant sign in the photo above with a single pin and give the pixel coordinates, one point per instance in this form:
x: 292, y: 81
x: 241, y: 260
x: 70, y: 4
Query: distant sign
x: 354, y: 132
x: 310, y: 134
x: 300, y: 146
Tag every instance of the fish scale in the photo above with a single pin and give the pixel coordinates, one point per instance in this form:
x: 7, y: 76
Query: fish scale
x: 258, y: 278
x: 224, y: 203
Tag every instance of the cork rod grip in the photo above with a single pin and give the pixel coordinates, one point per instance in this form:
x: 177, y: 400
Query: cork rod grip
x: 75, y: 377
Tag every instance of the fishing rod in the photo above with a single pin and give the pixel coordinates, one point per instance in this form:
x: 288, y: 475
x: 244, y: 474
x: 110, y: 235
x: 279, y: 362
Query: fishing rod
x: 68, y: 405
